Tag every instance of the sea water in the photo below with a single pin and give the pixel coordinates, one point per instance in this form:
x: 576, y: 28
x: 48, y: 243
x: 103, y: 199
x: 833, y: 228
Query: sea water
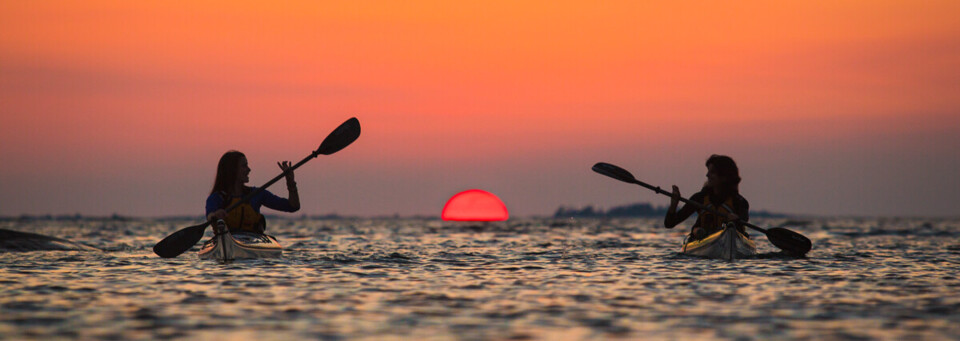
x: 550, y: 279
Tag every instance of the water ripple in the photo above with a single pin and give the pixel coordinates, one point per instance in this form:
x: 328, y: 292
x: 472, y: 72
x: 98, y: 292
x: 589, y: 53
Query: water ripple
x: 524, y: 279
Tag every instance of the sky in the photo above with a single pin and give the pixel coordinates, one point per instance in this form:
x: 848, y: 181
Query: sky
x: 829, y: 108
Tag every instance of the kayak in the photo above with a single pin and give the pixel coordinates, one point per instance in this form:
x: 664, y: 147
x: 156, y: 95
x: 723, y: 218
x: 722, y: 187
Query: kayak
x: 728, y: 244
x: 240, y: 245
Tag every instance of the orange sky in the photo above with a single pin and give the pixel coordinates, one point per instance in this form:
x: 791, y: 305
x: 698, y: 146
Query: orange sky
x: 123, y: 106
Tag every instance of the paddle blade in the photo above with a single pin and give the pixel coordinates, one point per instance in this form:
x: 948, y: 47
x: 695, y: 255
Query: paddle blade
x: 791, y: 242
x: 341, y: 137
x: 180, y: 241
x: 614, y: 172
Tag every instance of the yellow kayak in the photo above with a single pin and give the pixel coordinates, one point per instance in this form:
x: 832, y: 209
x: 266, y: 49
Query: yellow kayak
x: 727, y: 244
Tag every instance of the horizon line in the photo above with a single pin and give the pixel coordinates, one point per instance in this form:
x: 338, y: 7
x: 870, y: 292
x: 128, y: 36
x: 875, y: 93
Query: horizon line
x: 336, y: 216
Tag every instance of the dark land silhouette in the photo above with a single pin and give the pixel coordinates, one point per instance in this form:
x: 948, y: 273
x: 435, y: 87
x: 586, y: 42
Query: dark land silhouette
x: 17, y: 241
x: 636, y: 210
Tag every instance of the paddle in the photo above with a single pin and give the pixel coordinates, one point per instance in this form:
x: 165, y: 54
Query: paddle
x: 789, y: 241
x: 182, y: 240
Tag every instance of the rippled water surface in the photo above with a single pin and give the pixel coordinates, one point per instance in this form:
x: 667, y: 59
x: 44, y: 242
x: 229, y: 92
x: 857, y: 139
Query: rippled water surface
x: 524, y: 279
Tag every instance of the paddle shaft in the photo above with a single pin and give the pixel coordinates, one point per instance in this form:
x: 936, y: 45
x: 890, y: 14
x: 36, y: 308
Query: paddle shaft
x: 696, y: 204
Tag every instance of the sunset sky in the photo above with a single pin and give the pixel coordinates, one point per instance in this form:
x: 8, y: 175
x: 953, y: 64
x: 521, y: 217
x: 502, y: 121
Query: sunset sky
x: 829, y: 108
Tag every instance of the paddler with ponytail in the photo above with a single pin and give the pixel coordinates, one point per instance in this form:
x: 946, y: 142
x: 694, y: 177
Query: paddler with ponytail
x: 232, y: 173
x: 721, y: 192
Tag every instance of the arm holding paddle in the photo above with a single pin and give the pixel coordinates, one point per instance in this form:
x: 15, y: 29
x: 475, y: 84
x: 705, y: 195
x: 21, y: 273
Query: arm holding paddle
x: 217, y: 215
x: 674, y: 217
x: 294, y: 196
x: 215, y: 207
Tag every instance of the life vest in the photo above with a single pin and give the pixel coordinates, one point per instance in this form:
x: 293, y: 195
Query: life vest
x: 244, y: 217
x: 711, y: 222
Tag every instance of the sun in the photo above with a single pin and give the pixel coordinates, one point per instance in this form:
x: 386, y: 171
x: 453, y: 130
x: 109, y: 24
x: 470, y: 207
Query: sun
x: 475, y: 205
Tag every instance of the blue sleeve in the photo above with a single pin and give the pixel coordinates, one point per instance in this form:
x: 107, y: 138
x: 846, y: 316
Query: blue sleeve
x: 272, y: 201
x: 214, y: 202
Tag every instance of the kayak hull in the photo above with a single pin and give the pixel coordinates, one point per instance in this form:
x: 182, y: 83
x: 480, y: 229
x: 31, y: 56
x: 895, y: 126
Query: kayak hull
x: 241, y: 245
x: 727, y: 244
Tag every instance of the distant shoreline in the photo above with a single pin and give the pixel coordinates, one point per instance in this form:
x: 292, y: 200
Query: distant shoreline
x: 637, y: 210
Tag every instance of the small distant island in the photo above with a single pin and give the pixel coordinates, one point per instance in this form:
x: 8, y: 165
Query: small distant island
x: 637, y: 210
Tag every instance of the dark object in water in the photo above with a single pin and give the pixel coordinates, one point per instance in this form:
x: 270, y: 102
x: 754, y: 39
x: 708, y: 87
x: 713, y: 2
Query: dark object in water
x: 16, y: 241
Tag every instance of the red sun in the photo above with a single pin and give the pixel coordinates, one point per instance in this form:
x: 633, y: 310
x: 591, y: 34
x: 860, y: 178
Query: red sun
x: 475, y: 205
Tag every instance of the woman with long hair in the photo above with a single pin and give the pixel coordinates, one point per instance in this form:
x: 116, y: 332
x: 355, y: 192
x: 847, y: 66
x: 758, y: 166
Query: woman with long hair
x: 721, y: 192
x: 229, y: 187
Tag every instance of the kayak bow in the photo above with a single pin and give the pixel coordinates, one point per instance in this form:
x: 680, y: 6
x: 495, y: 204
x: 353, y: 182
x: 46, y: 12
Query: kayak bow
x: 241, y: 245
x: 728, y: 244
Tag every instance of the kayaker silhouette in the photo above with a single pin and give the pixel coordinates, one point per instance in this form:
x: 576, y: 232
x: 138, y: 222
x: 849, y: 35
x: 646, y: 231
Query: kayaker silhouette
x: 228, y: 188
x: 721, y: 192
